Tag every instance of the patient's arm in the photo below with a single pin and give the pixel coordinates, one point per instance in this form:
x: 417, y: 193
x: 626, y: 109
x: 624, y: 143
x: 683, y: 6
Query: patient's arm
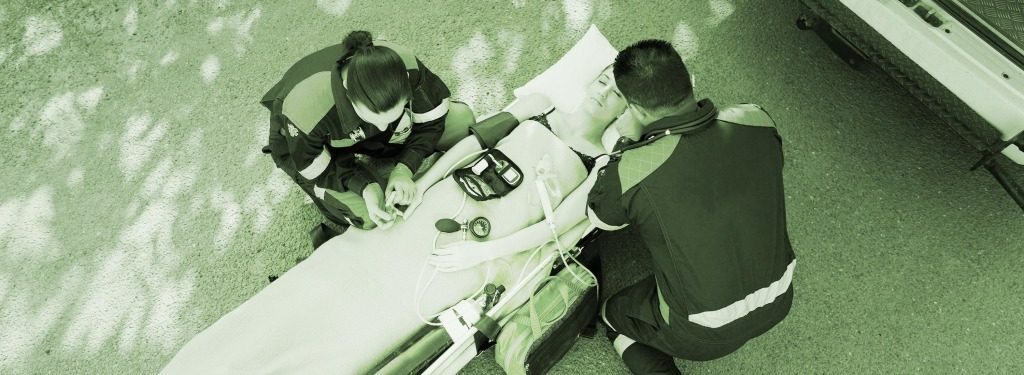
x: 571, y: 211
x: 520, y: 110
x: 529, y: 106
x: 456, y: 154
x: 486, y: 133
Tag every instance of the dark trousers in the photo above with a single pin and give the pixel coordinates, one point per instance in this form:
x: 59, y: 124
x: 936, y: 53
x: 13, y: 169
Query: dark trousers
x: 339, y: 213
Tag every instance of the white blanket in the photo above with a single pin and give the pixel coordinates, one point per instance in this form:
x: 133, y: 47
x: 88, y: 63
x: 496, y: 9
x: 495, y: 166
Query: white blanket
x: 349, y: 304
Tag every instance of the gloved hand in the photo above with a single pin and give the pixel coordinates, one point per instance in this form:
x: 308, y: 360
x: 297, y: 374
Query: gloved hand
x: 400, y: 186
x: 379, y: 214
x: 417, y: 198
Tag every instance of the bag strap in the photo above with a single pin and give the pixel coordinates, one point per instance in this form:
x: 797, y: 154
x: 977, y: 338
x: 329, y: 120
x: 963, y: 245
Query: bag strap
x: 536, y: 326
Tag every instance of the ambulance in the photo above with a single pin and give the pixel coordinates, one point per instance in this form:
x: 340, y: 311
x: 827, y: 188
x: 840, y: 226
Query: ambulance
x: 963, y: 59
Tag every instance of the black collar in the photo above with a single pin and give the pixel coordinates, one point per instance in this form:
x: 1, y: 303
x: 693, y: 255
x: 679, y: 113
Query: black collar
x: 684, y: 124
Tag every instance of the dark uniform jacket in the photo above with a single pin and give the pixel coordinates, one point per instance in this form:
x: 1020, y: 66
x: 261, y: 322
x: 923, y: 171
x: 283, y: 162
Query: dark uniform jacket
x: 315, y: 133
x: 710, y: 208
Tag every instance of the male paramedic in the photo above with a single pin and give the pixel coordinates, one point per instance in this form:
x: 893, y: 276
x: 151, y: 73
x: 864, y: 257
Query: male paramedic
x: 338, y: 109
x: 703, y: 188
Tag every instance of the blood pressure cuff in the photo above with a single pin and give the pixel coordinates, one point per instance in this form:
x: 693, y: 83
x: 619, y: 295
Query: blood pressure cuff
x: 492, y: 175
x: 493, y: 129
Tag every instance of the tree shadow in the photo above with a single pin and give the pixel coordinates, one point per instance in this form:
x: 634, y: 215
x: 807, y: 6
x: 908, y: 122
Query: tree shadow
x: 138, y: 208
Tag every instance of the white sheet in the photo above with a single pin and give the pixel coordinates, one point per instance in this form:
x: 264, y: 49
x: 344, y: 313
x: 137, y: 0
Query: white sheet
x: 351, y: 302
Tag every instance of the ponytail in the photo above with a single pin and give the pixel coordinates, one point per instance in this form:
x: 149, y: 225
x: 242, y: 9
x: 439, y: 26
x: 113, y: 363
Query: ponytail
x: 357, y: 40
x: 376, y: 76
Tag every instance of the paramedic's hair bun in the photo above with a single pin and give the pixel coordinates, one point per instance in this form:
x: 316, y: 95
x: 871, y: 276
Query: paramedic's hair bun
x: 358, y: 39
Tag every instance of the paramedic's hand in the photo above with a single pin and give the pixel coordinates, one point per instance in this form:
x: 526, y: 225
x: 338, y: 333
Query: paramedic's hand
x: 400, y: 186
x: 458, y: 256
x: 373, y: 197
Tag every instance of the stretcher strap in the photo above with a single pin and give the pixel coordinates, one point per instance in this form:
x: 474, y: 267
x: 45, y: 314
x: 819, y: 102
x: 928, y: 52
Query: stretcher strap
x: 488, y: 326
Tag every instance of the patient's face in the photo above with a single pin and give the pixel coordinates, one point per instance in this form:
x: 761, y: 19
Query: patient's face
x: 603, y: 100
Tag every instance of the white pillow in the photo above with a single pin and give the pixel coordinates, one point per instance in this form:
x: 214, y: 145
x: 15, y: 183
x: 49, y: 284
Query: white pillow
x: 565, y: 82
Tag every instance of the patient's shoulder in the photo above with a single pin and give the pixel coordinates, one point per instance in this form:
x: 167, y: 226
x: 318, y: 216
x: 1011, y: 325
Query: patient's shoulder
x: 746, y: 114
x: 529, y: 106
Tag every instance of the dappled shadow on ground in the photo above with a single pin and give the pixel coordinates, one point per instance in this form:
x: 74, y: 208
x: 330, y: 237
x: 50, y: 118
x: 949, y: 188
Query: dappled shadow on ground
x: 138, y: 209
x: 142, y: 195
x: 130, y: 180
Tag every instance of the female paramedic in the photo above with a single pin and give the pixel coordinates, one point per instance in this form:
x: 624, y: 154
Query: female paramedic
x: 337, y: 113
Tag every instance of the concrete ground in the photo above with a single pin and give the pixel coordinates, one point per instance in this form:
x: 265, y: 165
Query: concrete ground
x: 136, y: 207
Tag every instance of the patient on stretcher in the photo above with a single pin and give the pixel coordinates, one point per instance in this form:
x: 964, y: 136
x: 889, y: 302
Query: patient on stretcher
x: 363, y: 293
x: 585, y: 131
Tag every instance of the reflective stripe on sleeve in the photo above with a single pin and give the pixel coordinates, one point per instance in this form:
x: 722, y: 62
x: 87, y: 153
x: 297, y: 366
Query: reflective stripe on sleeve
x: 739, y: 309
x: 600, y: 224
x: 432, y: 114
x: 318, y: 166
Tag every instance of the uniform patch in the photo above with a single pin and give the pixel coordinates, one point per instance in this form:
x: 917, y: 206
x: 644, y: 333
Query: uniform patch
x: 403, y: 129
x: 354, y: 137
x: 357, y: 135
x: 292, y: 130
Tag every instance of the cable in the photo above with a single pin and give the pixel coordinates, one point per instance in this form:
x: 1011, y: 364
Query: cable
x: 421, y: 289
x: 549, y: 214
x: 528, y: 260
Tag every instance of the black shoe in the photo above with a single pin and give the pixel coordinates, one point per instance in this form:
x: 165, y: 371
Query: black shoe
x: 266, y: 149
x: 611, y: 335
x: 320, y: 234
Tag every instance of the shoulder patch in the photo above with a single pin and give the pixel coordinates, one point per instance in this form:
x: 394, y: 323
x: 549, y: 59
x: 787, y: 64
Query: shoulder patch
x: 746, y: 114
x: 309, y: 101
x: 638, y: 163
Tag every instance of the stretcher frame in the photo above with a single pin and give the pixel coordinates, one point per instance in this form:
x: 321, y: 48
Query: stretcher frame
x: 432, y: 351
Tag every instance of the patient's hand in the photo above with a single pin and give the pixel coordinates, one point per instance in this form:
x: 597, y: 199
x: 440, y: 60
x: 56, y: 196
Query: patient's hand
x: 458, y: 256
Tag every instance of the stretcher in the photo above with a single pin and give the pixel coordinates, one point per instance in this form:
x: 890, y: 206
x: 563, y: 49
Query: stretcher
x: 436, y: 350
